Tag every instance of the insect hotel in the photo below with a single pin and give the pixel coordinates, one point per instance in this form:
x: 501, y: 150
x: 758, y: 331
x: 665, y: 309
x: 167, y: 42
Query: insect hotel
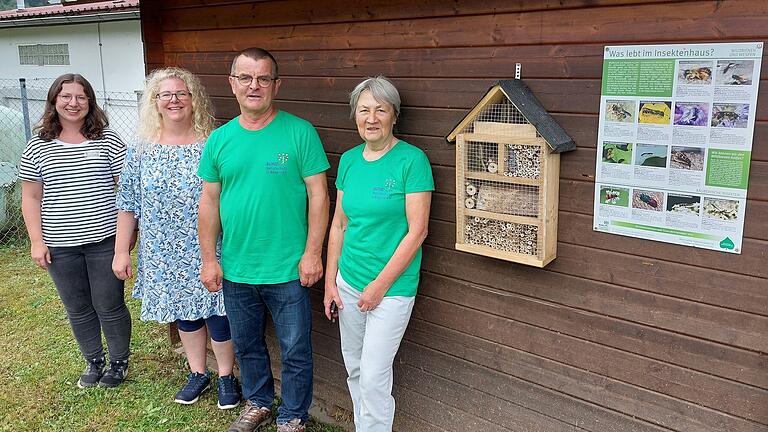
x: 507, y: 176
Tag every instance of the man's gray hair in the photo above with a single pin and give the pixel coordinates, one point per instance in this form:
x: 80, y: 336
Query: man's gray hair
x: 381, y: 89
x: 255, y: 53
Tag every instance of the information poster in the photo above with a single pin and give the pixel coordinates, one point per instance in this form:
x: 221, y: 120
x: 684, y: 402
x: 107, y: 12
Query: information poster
x: 675, y: 141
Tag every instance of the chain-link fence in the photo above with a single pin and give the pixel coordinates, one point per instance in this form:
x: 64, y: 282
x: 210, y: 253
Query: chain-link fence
x: 22, y: 103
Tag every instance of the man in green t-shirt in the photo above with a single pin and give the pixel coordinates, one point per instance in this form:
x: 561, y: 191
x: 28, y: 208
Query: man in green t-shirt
x: 264, y: 189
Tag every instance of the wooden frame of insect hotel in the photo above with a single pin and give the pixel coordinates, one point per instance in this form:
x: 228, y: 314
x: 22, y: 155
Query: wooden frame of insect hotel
x: 507, y: 176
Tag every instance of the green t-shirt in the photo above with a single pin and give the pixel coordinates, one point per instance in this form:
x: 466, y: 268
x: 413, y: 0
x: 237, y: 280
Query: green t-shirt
x: 263, y: 202
x: 374, y: 202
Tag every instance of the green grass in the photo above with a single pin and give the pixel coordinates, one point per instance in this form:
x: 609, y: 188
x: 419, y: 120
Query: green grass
x: 41, y: 364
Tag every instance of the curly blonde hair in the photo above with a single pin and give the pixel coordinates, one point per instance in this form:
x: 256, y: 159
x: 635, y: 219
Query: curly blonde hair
x: 150, y: 122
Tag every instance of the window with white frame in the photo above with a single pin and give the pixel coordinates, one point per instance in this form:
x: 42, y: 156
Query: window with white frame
x: 44, y: 54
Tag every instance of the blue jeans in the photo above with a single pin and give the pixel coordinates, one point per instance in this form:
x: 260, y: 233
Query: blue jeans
x: 288, y: 303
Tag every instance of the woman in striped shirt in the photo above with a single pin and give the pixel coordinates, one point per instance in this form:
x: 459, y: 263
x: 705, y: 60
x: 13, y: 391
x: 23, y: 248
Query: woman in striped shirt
x: 69, y: 171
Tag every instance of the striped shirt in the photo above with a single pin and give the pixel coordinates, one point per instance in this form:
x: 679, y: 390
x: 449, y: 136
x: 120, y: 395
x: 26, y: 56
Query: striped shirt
x: 78, y: 205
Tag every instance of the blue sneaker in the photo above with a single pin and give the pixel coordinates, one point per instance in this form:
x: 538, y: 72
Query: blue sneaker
x: 197, y: 383
x: 229, y: 392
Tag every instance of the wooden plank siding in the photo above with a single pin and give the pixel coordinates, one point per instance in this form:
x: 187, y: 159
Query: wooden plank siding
x: 617, y: 334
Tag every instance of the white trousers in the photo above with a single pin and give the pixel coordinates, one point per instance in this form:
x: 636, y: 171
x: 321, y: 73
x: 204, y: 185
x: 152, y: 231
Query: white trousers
x: 369, y: 342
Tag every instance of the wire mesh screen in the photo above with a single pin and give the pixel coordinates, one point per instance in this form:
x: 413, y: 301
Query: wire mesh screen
x: 499, y: 182
x: 504, y: 198
x: 501, y: 235
x: 482, y: 157
x: 20, y: 111
x: 501, y: 118
x: 523, y: 161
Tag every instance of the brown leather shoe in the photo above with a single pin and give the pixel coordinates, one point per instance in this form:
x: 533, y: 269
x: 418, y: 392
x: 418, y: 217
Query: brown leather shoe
x: 250, y: 418
x: 294, y: 425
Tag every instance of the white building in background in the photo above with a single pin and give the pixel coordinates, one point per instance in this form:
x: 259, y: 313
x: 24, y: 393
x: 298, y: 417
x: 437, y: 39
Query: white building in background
x: 100, y: 40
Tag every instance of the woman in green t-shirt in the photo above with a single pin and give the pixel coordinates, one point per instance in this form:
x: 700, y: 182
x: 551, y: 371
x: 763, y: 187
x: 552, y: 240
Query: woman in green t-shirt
x: 374, y: 249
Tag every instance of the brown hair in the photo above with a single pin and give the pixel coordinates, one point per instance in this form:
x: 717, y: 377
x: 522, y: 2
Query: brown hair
x: 95, y: 121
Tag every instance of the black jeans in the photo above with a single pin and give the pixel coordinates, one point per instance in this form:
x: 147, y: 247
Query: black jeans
x: 92, y: 297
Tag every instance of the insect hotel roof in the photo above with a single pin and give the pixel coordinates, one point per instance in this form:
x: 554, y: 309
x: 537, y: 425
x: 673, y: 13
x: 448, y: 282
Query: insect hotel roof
x: 517, y: 93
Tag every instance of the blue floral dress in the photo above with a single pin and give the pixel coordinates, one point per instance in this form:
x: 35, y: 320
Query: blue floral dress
x: 161, y: 187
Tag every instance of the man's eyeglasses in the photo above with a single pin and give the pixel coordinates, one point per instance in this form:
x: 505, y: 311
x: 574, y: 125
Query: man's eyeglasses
x: 82, y: 100
x: 246, y: 80
x: 166, y: 95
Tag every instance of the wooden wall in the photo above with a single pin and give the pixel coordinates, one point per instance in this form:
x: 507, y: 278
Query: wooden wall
x: 617, y: 334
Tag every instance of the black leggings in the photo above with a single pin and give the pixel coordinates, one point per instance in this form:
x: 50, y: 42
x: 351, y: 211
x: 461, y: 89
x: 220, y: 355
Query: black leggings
x: 92, y: 297
x: 218, y: 327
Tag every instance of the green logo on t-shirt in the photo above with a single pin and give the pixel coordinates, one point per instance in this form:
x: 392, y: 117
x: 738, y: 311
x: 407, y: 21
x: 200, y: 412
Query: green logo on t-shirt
x: 279, y: 165
x: 384, y: 193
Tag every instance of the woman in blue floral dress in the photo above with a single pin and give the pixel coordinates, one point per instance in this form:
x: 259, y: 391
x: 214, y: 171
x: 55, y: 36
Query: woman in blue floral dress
x: 158, y: 193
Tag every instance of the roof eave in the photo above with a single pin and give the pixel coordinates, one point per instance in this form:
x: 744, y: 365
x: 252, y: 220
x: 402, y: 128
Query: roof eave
x: 70, y: 19
x: 490, y: 94
x: 531, y: 108
x: 558, y: 139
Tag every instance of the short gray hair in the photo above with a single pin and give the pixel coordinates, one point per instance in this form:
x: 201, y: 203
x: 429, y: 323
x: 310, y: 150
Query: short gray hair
x: 255, y: 53
x: 381, y: 89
